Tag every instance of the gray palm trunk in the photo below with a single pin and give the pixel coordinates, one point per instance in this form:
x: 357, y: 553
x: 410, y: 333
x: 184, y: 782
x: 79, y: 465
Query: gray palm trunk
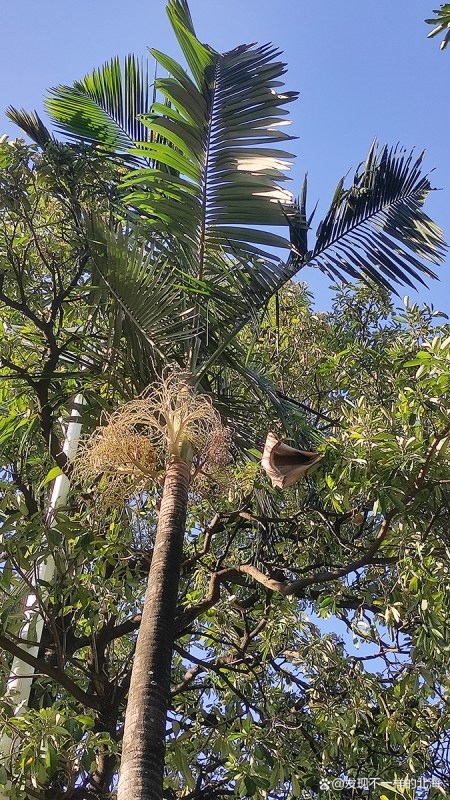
x: 142, y: 770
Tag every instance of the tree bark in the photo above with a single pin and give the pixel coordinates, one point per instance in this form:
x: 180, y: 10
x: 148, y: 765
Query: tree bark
x: 142, y: 768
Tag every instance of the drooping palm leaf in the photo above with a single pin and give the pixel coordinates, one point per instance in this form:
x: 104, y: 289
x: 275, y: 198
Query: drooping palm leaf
x: 231, y: 298
x: 141, y: 279
x: 31, y: 124
x: 104, y: 107
x: 441, y: 21
x: 242, y: 393
x: 376, y: 229
x: 150, y: 308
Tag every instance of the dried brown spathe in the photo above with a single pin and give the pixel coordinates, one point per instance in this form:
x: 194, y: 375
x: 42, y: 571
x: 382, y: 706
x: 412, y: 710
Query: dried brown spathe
x: 286, y: 465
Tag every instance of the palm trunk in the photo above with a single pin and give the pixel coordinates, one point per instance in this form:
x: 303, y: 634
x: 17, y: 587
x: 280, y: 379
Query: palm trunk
x: 142, y: 768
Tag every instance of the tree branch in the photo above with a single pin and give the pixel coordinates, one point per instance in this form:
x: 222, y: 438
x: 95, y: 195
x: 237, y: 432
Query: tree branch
x: 45, y: 669
x: 297, y: 588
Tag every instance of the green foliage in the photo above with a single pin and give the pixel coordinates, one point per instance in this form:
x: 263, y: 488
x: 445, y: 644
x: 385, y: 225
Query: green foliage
x: 45, y: 291
x: 211, y: 177
x: 104, y: 108
x: 209, y: 170
x: 209, y: 180
x: 441, y: 21
x: 266, y: 702
x: 376, y: 228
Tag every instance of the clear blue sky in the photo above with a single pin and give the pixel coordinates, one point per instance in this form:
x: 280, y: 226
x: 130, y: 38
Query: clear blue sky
x: 364, y: 68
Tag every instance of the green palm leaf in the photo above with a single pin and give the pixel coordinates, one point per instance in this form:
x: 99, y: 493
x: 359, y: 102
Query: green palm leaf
x: 442, y: 18
x: 143, y: 284
x: 31, y: 124
x: 214, y: 137
x: 104, y: 107
x: 375, y: 230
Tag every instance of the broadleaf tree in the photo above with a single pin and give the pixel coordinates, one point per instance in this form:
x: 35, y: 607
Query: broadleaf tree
x: 269, y: 697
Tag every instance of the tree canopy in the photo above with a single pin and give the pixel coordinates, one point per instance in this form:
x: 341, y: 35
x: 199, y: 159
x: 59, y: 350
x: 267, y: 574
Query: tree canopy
x: 265, y: 701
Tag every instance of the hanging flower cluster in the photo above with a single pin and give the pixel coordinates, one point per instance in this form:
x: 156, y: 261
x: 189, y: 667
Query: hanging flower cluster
x: 168, y: 421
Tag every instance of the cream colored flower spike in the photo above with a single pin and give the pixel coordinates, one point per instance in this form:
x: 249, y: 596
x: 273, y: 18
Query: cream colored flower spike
x: 286, y: 465
x: 123, y: 457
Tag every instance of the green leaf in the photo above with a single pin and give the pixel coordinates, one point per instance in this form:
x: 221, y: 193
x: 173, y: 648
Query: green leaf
x: 85, y: 719
x: 54, y: 472
x: 250, y: 786
x: 198, y: 56
x: 185, y: 769
x: 257, y: 453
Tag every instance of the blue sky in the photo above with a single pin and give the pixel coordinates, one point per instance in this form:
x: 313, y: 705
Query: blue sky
x: 364, y: 68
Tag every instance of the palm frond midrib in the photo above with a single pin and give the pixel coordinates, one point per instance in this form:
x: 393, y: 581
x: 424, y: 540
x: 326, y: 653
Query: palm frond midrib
x: 206, y: 173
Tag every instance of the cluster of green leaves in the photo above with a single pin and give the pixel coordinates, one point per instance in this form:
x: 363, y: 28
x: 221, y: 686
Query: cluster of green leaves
x: 320, y: 707
x: 49, y: 314
x: 49, y: 302
x: 441, y: 21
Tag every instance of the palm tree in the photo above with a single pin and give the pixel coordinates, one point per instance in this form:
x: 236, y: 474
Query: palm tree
x: 190, y: 266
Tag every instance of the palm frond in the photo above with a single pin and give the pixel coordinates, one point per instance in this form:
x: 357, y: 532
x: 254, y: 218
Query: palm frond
x: 441, y: 21
x: 234, y: 295
x: 375, y: 230
x: 142, y: 281
x: 31, y: 124
x: 199, y: 57
x: 226, y: 379
x: 220, y: 174
x: 104, y: 107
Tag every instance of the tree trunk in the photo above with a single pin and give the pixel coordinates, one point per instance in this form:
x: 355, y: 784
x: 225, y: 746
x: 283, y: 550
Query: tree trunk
x: 142, y: 768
